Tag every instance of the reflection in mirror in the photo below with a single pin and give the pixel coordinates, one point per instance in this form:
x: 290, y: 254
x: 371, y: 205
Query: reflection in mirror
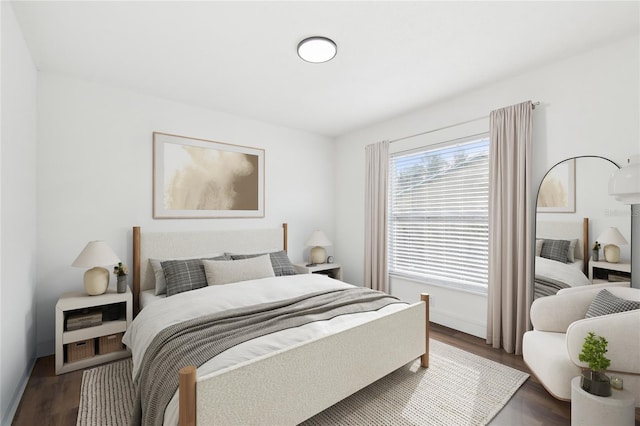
x: 574, y: 209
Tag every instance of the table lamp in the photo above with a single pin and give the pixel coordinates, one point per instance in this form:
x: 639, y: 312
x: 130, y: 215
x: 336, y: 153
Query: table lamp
x: 318, y: 241
x: 610, y: 238
x: 95, y: 255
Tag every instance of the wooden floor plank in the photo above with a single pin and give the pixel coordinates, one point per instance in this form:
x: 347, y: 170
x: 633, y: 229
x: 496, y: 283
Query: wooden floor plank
x: 53, y: 400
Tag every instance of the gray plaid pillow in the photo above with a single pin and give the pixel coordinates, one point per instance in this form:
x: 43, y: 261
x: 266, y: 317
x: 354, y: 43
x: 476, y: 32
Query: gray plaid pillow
x: 606, y: 303
x: 556, y: 250
x: 279, y: 261
x: 185, y: 275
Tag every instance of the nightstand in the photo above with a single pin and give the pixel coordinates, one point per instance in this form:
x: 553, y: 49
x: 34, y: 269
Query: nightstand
x: 332, y: 270
x: 600, y: 271
x: 89, y: 329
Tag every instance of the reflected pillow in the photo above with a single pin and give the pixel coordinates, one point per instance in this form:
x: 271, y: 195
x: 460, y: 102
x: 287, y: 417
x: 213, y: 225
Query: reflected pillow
x: 279, y: 261
x: 606, y: 303
x: 539, y: 244
x: 571, y: 251
x: 233, y: 271
x: 555, y: 250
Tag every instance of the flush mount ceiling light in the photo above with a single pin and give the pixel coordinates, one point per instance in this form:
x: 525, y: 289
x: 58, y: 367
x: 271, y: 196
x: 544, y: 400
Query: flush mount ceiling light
x: 317, y: 49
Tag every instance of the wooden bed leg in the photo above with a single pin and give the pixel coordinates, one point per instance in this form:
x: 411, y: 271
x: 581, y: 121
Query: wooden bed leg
x: 187, y: 399
x: 424, y: 359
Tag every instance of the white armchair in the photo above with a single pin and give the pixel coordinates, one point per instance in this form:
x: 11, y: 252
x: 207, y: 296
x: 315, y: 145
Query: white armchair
x: 551, y: 349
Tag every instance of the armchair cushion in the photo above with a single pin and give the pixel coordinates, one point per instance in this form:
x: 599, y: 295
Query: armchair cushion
x: 623, y: 336
x: 546, y: 356
x: 556, y: 313
x: 606, y: 303
x: 551, y: 350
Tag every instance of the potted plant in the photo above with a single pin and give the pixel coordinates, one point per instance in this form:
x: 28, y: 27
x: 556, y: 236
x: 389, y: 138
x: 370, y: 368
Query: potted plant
x: 595, y: 252
x: 593, y: 353
x: 121, y: 272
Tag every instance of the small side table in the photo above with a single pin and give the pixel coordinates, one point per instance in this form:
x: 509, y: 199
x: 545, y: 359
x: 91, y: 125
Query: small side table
x: 587, y: 409
x: 333, y: 270
x: 621, y: 268
x: 79, y: 300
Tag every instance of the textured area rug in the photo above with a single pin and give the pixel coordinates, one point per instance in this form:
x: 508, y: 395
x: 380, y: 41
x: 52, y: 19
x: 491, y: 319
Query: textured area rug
x: 458, y: 388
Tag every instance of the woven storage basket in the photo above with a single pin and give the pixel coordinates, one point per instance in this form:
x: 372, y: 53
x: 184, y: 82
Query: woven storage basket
x: 110, y: 343
x: 81, y: 350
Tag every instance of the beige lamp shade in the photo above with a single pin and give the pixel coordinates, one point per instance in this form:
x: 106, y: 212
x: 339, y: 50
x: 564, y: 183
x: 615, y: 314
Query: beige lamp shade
x: 318, y: 241
x: 95, y: 255
x: 611, y: 238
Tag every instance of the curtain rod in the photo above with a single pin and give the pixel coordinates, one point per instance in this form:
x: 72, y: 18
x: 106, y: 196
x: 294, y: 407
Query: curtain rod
x: 533, y: 106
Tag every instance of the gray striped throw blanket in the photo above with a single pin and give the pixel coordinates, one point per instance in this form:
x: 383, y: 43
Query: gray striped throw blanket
x: 196, y: 341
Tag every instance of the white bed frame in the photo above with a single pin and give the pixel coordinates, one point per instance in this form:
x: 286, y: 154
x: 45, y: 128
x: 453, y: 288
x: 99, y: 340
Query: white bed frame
x: 288, y: 386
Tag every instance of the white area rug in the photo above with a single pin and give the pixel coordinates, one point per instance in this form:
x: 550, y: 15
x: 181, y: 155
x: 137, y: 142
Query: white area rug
x: 458, y: 388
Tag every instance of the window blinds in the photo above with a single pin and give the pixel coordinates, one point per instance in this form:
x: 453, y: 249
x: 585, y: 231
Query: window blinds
x: 438, y: 214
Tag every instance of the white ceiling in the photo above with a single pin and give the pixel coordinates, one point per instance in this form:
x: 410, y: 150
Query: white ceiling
x: 240, y: 57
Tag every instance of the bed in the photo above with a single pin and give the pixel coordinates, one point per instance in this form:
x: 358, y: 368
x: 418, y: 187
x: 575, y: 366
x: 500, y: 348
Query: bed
x: 285, y: 376
x: 560, y: 256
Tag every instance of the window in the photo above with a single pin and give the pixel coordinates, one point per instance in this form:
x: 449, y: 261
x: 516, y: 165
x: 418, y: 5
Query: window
x: 438, y: 221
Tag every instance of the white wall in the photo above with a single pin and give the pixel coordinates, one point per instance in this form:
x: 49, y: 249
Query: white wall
x: 18, y: 217
x: 589, y: 106
x: 95, y: 177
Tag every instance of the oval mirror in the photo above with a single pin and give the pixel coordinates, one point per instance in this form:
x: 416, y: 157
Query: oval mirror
x: 574, y: 210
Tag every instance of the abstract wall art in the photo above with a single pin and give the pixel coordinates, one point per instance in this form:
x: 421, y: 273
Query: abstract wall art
x: 198, y: 178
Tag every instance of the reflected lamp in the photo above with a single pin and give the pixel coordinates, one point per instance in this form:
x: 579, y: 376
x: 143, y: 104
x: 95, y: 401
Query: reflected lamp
x: 611, y: 238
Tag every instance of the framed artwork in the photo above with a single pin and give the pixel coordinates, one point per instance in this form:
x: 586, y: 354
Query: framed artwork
x: 198, y: 178
x: 558, y: 189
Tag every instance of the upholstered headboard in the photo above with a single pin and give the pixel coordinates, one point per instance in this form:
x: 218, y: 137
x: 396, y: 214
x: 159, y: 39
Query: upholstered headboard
x: 167, y: 245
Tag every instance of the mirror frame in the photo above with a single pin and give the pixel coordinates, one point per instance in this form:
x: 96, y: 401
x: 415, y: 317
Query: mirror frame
x: 535, y: 224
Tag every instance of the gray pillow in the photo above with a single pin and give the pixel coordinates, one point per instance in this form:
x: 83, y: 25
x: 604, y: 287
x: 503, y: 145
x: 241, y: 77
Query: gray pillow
x: 185, y: 275
x: 233, y: 271
x: 279, y: 261
x: 556, y: 250
x: 160, y: 286
x: 606, y: 303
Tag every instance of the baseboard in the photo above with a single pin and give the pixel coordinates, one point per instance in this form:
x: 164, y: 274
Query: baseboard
x: 464, y: 324
x: 17, y: 397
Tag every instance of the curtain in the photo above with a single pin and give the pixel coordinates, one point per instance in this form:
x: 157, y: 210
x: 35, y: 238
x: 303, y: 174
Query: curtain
x: 510, y: 224
x: 375, y: 211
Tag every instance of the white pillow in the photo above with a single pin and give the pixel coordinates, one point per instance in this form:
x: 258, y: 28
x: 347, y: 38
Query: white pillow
x: 233, y: 271
x: 571, y: 254
x: 160, y: 284
x: 539, y: 247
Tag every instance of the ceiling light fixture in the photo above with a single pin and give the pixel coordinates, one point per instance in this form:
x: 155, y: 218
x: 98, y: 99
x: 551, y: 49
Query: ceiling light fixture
x: 317, y: 49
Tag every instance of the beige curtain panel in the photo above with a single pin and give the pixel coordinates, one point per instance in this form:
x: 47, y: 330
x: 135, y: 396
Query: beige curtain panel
x: 510, y: 223
x: 375, y: 239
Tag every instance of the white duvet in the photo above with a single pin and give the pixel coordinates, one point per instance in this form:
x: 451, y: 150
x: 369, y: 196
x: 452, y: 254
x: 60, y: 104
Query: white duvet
x: 564, y: 272
x: 184, y: 306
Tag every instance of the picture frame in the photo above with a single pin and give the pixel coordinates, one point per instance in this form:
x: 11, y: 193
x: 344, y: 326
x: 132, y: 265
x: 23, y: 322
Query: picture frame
x: 557, y: 192
x: 199, y: 178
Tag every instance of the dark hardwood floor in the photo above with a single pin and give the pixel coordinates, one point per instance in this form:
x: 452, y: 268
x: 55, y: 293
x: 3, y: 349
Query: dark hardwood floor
x: 53, y: 400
